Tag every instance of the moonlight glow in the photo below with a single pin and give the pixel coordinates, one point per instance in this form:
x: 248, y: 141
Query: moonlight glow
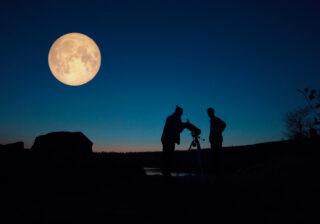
x: 74, y: 59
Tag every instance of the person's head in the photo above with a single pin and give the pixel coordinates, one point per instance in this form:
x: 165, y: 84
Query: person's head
x: 210, y: 112
x: 178, y: 111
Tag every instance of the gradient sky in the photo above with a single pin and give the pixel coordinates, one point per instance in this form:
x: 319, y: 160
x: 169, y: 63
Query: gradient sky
x: 244, y: 59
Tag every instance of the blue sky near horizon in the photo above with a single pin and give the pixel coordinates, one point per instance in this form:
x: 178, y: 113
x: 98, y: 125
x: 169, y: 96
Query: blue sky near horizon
x: 244, y: 59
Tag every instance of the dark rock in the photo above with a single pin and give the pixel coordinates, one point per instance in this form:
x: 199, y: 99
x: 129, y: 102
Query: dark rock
x: 13, y: 147
x: 63, y: 144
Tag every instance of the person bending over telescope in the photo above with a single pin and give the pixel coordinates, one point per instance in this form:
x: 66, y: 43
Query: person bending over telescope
x: 171, y: 136
x: 217, y: 126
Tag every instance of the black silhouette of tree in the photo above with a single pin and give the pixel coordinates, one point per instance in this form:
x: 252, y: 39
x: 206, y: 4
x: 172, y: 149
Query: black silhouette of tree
x: 305, y: 121
x: 313, y: 100
x: 298, y: 123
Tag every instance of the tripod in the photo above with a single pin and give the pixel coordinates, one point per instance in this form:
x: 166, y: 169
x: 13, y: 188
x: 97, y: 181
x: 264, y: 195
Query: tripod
x: 195, y: 143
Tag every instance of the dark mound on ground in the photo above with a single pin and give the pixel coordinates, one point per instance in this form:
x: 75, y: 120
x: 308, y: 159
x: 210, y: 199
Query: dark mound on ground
x: 65, y: 144
x: 13, y: 147
x: 62, y: 162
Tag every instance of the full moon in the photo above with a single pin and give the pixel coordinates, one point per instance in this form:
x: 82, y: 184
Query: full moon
x: 74, y: 59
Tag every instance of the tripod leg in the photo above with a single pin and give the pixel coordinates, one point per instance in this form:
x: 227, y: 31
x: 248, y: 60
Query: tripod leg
x: 191, y: 145
x: 200, y: 158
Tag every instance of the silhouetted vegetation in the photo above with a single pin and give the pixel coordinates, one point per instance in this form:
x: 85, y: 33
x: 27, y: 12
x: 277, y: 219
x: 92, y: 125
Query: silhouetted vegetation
x: 313, y: 100
x: 298, y: 123
x: 304, y: 122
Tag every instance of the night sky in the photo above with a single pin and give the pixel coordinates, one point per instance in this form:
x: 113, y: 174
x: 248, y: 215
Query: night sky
x: 245, y: 59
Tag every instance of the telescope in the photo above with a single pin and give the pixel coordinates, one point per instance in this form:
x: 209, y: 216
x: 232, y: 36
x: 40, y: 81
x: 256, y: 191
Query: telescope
x: 195, y: 133
x: 194, y: 130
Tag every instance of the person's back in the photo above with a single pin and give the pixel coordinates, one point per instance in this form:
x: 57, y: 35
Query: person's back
x: 172, y: 129
x: 217, y: 126
x: 171, y: 136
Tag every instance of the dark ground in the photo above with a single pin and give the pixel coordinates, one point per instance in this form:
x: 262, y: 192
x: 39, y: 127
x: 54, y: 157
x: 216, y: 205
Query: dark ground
x: 267, y: 183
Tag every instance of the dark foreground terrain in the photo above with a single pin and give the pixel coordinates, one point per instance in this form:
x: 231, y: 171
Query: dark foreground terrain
x: 267, y: 183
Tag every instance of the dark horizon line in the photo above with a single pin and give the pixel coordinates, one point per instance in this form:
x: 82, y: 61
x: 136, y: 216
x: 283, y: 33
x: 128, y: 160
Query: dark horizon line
x: 224, y: 147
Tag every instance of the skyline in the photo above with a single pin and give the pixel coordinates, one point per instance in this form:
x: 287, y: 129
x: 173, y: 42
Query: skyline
x: 245, y: 60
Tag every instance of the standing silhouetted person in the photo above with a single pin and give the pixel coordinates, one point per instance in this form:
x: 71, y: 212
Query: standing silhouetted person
x: 170, y: 137
x: 217, y: 126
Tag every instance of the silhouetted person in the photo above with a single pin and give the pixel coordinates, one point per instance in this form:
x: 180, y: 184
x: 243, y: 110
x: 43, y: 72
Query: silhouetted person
x: 217, y: 126
x: 170, y: 137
